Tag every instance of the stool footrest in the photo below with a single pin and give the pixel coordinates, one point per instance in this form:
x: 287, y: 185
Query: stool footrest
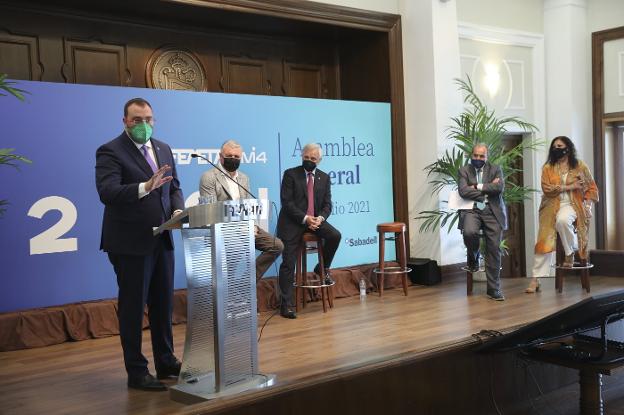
x: 392, y: 270
x: 472, y: 272
x: 576, y: 266
x: 315, y: 285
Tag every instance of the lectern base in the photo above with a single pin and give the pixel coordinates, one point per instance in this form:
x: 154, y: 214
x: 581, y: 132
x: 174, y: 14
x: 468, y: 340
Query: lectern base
x: 204, y: 389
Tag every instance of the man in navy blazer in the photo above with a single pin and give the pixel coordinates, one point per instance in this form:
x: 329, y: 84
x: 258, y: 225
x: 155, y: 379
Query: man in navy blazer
x: 300, y: 213
x: 137, y: 183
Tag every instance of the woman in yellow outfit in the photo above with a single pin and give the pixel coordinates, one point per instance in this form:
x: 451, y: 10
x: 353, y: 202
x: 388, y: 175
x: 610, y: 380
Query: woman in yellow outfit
x: 569, y: 191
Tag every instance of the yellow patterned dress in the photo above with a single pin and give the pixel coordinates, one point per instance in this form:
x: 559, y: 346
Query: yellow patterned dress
x: 551, y: 186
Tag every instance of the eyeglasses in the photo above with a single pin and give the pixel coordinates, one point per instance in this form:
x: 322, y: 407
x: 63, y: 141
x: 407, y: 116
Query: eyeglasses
x: 139, y: 120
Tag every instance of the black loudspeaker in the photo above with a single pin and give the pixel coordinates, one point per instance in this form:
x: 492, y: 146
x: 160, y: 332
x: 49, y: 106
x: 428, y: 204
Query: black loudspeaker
x: 424, y: 271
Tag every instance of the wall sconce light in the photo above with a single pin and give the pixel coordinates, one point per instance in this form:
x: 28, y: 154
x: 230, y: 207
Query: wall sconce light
x: 492, y: 79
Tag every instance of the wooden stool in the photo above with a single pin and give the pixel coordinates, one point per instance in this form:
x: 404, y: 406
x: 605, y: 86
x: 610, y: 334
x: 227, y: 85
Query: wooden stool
x: 584, y: 265
x: 310, y: 243
x: 398, y: 228
x: 469, y: 273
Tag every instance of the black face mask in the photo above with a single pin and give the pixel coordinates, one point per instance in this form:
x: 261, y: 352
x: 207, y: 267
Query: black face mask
x: 231, y: 164
x: 477, y: 163
x: 558, y: 153
x: 308, y: 165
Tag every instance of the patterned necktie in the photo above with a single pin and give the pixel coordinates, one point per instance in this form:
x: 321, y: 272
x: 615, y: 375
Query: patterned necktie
x: 480, y: 205
x: 148, y: 158
x: 310, y: 211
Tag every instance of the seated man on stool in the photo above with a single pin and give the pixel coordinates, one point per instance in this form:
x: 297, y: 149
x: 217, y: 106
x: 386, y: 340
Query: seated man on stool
x: 306, y: 205
x: 483, y: 182
x: 214, y: 183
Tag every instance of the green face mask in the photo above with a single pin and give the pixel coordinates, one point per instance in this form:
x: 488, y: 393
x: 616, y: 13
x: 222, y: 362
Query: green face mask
x: 140, y: 133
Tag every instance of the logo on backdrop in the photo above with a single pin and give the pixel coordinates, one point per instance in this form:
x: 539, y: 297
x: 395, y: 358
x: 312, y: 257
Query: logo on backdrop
x: 349, y: 147
x: 182, y: 156
x: 370, y: 240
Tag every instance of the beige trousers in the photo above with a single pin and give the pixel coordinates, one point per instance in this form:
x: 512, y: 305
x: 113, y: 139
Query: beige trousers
x: 566, y: 216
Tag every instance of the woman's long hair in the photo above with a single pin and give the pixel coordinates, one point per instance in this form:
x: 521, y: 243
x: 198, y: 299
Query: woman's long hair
x: 572, y: 160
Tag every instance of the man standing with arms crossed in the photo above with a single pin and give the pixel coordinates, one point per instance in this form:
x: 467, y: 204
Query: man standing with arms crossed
x: 483, y: 183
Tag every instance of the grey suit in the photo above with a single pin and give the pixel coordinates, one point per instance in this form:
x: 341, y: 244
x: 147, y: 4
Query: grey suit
x: 492, y: 219
x: 213, y: 182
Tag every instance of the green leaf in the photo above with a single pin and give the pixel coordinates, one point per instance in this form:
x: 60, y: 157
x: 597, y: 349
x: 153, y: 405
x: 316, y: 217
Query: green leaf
x: 7, y: 155
x: 476, y: 124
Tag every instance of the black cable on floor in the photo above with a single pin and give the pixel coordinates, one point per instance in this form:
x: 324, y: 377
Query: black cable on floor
x: 265, y: 323
x: 492, y: 397
x: 539, y: 389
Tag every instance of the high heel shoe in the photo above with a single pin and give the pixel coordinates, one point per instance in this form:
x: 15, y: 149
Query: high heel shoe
x: 534, y: 286
x: 568, y: 261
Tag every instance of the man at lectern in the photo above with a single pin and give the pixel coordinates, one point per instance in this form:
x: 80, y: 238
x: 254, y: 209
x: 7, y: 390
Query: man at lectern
x: 137, y: 183
x: 306, y: 204
x: 483, y: 183
x: 233, y: 184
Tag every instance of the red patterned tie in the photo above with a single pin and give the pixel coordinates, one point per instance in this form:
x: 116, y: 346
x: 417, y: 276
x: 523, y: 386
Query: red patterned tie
x: 310, y: 211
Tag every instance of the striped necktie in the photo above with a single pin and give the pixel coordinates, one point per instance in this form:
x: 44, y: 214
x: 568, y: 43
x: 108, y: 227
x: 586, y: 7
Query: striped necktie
x: 480, y: 205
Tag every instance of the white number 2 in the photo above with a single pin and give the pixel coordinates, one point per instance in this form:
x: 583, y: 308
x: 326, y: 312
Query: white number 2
x: 49, y: 241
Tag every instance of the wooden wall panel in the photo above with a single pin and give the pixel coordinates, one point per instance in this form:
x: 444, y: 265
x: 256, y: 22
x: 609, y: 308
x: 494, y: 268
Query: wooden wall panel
x: 19, y: 56
x: 243, y: 75
x: 94, y: 63
x: 304, y: 80
x: 96, y: 50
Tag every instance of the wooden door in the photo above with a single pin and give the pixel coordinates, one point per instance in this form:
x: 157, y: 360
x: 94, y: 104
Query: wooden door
x: 514, y: 262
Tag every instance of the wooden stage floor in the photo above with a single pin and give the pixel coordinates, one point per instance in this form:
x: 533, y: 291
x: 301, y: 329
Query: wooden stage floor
x: 88, y: 376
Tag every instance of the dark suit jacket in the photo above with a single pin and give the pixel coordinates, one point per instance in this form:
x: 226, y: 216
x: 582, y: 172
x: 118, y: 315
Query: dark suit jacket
x: 468, y: 178
x: 294, y: 199
x: 128, y: 220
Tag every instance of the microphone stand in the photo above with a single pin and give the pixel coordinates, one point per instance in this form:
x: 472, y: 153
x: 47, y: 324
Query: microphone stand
x: 195, y: 155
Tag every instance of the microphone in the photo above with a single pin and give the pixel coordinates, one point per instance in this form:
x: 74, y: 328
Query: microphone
x: 195, y: 155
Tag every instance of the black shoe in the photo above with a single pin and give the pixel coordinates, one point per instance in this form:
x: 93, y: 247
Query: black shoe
x: 473, y: 266
x: 146, y: 383
x: 327, y: 279
x: 495, y: 295
x: 287, y: 312
x: 173, y: 370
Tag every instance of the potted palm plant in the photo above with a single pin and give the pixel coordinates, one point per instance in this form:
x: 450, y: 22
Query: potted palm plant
x: 7, y: 155
x: 476, y: 124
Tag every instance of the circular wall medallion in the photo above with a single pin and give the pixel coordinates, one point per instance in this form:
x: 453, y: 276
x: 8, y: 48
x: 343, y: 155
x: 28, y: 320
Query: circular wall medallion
x: 175, y: 69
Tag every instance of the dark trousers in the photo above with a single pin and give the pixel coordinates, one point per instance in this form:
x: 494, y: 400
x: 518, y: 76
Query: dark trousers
x: 145, y: 280
x: 475, y: 220
x: 331, y: 239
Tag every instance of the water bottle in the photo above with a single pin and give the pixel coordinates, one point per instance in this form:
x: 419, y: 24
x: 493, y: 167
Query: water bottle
x: 362, y: 288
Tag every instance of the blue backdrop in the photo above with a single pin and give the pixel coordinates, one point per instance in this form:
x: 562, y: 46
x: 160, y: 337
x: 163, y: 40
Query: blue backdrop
x: 49, y: 236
